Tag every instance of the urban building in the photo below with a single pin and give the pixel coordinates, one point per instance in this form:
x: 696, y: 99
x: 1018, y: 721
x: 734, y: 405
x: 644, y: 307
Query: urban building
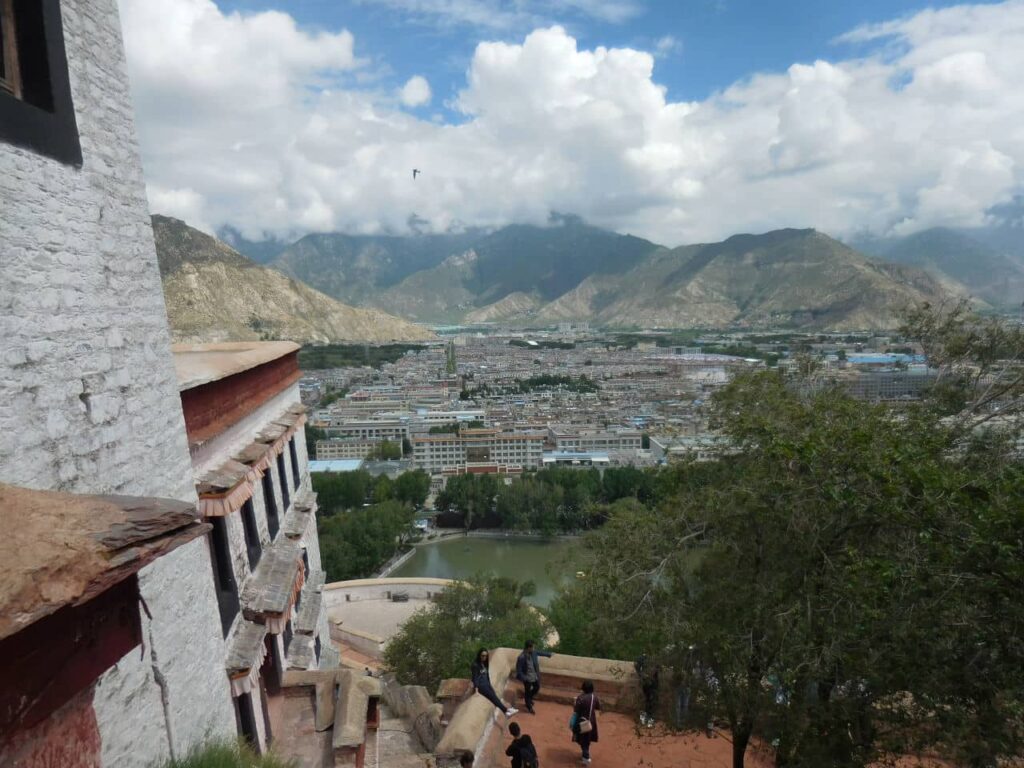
x: 342, y: 448
x: 567, y: 439
x: 244, y: 423
x: 133, y: 498
x: 478, y: 450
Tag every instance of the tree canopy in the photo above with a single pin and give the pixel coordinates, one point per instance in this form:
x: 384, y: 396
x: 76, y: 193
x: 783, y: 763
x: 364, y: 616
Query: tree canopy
x: 846, y: 586
x: 441, y: 641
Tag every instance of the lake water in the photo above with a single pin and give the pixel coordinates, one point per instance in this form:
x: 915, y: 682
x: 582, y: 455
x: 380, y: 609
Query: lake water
x: 545, y: 563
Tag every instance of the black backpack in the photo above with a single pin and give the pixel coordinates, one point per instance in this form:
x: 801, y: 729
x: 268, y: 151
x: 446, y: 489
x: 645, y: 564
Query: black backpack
x: 529, y: 756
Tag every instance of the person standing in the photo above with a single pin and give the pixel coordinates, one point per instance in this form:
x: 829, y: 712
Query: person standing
x: 513, y: 748
x: 528, y: 672
x: 480, y: 675
x: 584, y: 727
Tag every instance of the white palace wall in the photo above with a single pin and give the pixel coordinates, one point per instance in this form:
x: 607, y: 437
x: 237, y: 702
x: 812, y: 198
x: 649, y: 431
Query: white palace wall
x: 88, y: 396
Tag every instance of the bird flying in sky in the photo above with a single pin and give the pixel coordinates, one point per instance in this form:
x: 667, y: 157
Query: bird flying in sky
x: 415, y: 173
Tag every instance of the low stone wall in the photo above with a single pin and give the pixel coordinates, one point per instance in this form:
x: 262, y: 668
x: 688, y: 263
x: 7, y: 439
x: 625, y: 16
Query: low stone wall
x: 372, y: 645
x: 381, y: 589
x: 616, y: 682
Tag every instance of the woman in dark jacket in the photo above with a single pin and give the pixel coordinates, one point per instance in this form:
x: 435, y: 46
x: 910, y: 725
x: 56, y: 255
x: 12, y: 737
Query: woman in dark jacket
x: 586, y: 707
x: 481, y: 678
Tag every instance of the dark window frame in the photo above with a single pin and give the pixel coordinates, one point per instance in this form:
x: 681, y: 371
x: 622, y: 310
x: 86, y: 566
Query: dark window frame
x: 224, y: 581
x: 293, y: 452
x: 282, y: 473
x: 10, y: 70
x: 270, y: 504
x: 41, y: 118
x: 287, y: 637
x: 245, y: 720
x: 253, y: 547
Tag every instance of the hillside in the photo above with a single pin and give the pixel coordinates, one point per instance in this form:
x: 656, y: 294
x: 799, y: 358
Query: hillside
x: 213, y: 293
x: 795, y: 278
x: 988, y: 272
x: 443, y: 277
x: 353, y: 268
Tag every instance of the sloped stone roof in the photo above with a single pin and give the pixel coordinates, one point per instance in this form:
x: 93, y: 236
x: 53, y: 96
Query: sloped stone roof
x: 61, y: 549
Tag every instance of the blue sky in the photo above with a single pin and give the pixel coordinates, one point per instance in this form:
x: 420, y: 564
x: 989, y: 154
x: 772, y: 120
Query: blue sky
x: 680, y: 121
x: 717, y: 42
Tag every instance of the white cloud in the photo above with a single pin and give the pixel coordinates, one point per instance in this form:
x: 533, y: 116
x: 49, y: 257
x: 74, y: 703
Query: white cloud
x: 666, y: 46
x: 415, y: 92
x: 251, y: 121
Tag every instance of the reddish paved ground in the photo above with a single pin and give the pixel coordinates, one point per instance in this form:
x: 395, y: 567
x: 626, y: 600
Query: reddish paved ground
x: 621, y: 744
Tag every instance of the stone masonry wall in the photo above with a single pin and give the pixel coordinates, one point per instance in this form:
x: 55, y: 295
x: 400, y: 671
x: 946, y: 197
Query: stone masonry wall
x: 88, y: 396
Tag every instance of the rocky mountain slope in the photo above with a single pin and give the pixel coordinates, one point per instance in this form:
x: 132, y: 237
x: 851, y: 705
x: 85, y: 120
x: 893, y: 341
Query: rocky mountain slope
x: 569, y: 270
x: 213, y: 293
x: 985, y: 269
x: 794, y: 278
x: 443, y: 277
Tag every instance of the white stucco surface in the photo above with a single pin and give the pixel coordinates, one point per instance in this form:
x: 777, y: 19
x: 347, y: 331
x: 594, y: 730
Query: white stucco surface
x: 88, y: 395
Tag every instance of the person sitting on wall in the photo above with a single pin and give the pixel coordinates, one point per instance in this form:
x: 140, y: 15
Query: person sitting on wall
x: 528, y: 672
x: 481, y: 678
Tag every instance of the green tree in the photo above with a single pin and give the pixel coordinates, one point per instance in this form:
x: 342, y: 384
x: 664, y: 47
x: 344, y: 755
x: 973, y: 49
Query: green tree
x: 383, y: 489
x: 441, y: 641
x: 356, y: 543
x: 337, y: 491
x: 840, y: 587
x: 312, y: 435
x: 387, y: 450
x: 413, y: 488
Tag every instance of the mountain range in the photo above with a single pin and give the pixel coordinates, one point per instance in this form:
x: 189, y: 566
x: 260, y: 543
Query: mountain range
x: 984, y: 261
x: 569, y: 270
x: 213, y: 293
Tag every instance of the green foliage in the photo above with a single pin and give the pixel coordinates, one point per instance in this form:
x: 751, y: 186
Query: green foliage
x: 743, y: 350
x: 332, y: 396
x: 453, y: 427
x: 352, y: 355
x: 845, y: 587
x: 355, y: 544
x: 337, y: 491
x: 227, y: 755
x: 412, y: 488
x: 387, y: 450
x: 441, y: 641
x: 312, y: 435
x: 581, y: 385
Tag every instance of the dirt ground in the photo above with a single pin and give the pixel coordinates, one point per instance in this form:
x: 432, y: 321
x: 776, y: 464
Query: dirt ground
x: 622, y: 743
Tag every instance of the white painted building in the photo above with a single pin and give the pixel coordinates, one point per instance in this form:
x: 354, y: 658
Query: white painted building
x: 484, y: 449
x: 244, y: 422
x: 89, y: 404
x: 88, y: 395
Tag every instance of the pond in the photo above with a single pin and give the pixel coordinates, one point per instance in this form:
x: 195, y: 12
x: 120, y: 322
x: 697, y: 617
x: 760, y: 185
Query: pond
x: 544, y: 562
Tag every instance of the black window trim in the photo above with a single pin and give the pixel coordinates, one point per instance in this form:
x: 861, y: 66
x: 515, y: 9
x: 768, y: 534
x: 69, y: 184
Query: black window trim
x: 53, y: 134
x: 282, y: 473
x: 294, y: 454
x: 224, y: 581
x: 253, y: 546
x: 270, y: 504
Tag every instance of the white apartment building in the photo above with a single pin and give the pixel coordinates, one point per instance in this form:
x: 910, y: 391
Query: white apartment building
x: 345, y: 448
x: 483, y: 449
x: 578, y: 439
x: 394, y: 430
